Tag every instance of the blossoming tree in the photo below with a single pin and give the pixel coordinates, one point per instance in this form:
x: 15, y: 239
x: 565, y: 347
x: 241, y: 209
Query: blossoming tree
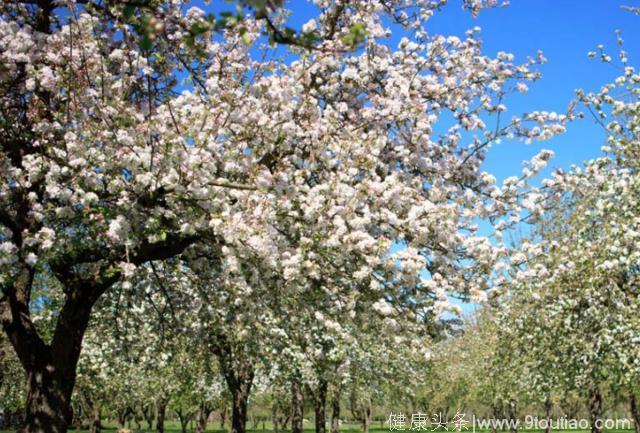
x: 574, y: 304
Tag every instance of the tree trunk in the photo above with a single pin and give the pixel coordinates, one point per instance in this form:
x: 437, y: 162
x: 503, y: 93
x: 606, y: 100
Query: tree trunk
x: 497, y: 414
x: 297, y: 406
x: 240, y: 389
x: 184, y: 423
x: 203, y: 417
x: 161, y: 411
x: 50, y: 368
x: 8, y: 419
x: 223, y: 417
x: 320, y: 400
x: 635, y: 414
x: 513, y: 416
x: 123, y: 414
x: 274, y: 418
x: 148, y: 413
x: 366, y: 418
x: 547, y: 413
x: 335, y: 414
x: 96, y: 423
x: 184, y: 418
x: 595, y: 410
x: 48, y: 401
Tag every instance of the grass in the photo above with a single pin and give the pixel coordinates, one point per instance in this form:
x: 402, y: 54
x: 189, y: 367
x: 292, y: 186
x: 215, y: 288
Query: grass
x: 174, y: 427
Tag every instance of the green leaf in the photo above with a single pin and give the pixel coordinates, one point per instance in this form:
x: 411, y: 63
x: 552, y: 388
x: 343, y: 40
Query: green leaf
x: 128, y: 12
x: 246, y: 38
x: 145, y: 43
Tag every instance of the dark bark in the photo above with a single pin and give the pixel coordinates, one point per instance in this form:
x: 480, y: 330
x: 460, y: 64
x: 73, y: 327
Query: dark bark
x: 238, y: 374
x: 335, y: 413
x: 161, y: 411
x: 497, y: 414
x: 297, y: 406
x: 51, y: 369
x: 361, y: 410
x: 240, y: 389
x: 320, y: 402
x: 123, y: 415
x: 595, y: 410
x: 635, y: 413
x: 513, y: 416
x: 148, y: 412
x: 12, y: 419
x: 547, y: 413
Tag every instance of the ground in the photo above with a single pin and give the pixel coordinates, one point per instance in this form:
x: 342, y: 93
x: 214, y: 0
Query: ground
x: 174, y: 427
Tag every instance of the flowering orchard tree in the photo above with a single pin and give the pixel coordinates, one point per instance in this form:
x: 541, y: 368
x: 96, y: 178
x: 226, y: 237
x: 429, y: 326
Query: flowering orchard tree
x: 325, y: 161
x: 576, y: 289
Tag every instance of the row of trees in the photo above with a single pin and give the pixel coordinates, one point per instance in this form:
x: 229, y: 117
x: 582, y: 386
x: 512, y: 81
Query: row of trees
x: 564, y: 340
x: 147, y: 356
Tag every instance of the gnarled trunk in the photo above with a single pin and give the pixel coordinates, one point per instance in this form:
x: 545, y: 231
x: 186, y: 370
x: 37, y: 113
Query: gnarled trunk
x: 366, y: 418
x: 123, y: 414
x: 497, y: 411
x: 51, y: 369
x: 48, y: 402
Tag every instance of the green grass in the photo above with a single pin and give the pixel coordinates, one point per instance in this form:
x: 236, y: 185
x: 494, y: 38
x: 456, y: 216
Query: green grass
x: 174, y: 427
